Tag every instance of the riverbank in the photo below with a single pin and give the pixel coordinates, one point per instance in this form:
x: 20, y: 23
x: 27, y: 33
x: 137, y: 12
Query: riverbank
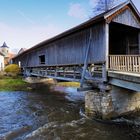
x: 18, y: 84
x: 50, y: 81
x: 13, y: 84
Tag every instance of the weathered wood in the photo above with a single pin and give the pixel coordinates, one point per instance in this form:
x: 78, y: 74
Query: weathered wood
x: 139, y: 41
x: 125, y: 84
x: 70, y: 50
x: 104, y: 73
x: 127, y: 63
x: 127, y: 17
x: 86, y: 59
x: 106, y: 50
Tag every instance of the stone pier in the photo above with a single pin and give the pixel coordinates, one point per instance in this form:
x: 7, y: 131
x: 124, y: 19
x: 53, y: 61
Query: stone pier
x: 111, y: 104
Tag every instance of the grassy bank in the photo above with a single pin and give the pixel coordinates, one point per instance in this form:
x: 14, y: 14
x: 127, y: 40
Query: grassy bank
x: 69, y: 84
x: 17, y: 84
x: 13, y: 84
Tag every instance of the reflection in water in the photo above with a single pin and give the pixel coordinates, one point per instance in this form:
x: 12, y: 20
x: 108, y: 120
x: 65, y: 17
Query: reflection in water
x: 52, y: 115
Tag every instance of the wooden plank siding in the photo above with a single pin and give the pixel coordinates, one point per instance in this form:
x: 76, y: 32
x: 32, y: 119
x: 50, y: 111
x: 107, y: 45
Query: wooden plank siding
x: 69, y: 50
x: 127, y: 17
x: 139, y: 41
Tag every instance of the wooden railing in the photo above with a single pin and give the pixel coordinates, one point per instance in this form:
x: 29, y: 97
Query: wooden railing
x: 125, y: 63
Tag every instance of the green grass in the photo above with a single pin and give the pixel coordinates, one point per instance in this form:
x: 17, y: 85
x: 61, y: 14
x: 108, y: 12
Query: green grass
x: 13, y: 84
x: 17, y: 84
x: 69, y: 84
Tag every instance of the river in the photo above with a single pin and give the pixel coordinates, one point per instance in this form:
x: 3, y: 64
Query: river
x: 54, y: 115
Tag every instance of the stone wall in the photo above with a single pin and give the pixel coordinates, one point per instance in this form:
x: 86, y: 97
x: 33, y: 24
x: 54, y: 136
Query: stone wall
x: 125, y: 101
x: 116, y: 102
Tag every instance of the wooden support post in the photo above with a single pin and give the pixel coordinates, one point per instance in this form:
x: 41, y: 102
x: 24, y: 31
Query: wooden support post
x: 104, y: 72
x: 106, y: 50
x: 74, y: 76
x: 139, y: 41
x: 55, y: 74
x: 46, y: 72
x: 86, y: 59
x: 64, y: 72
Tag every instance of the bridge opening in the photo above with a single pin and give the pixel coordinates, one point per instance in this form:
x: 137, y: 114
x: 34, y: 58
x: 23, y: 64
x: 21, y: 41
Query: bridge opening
x: 124, y: 48
x: 123, y: 40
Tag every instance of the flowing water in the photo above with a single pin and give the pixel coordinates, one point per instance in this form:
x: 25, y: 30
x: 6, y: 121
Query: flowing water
x: 53, y: 115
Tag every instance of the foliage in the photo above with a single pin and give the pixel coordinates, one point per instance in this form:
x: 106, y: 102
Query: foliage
x: 12, y: 70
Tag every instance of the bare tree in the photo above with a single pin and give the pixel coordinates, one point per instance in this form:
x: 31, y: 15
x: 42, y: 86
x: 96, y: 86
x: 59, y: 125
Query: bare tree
x: 103, y: 5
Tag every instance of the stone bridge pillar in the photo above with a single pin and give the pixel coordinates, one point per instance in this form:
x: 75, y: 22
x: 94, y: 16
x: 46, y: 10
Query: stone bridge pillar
x: 114, y: 103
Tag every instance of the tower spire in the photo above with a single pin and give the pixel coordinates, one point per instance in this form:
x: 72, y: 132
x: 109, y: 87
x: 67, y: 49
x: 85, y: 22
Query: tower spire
x: 4, y: 45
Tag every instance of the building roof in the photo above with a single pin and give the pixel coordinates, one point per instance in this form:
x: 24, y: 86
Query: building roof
x: 4, y: 45
x: 101, y: 17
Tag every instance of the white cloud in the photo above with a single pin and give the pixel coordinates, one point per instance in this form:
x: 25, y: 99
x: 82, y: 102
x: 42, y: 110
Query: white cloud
x: 17, y: 38
x: 77, y: 10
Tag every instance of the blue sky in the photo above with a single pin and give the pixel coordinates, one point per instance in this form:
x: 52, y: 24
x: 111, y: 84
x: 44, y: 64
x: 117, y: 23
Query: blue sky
x: 24, y: 23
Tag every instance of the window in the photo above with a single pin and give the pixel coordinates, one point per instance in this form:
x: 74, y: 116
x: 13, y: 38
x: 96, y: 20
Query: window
x: 42, y: 59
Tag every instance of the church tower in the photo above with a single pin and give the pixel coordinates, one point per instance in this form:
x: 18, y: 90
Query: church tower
x: 4, y: 49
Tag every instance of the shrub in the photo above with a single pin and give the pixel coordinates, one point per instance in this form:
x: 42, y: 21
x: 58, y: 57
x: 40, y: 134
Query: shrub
x: 12, y: 70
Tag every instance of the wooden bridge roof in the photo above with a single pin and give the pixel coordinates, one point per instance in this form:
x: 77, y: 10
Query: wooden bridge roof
x: 106, y: 16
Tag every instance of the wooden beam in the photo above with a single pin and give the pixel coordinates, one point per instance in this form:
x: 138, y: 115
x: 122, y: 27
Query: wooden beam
x: 57, y: 78
x: 106, y: 50
x: 139, y: 41
x: 125, y: 76
x: 125, y: 84
x: 86, y: 59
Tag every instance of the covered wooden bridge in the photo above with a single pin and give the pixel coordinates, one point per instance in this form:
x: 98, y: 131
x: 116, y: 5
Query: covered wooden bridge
x: 105, y: 49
